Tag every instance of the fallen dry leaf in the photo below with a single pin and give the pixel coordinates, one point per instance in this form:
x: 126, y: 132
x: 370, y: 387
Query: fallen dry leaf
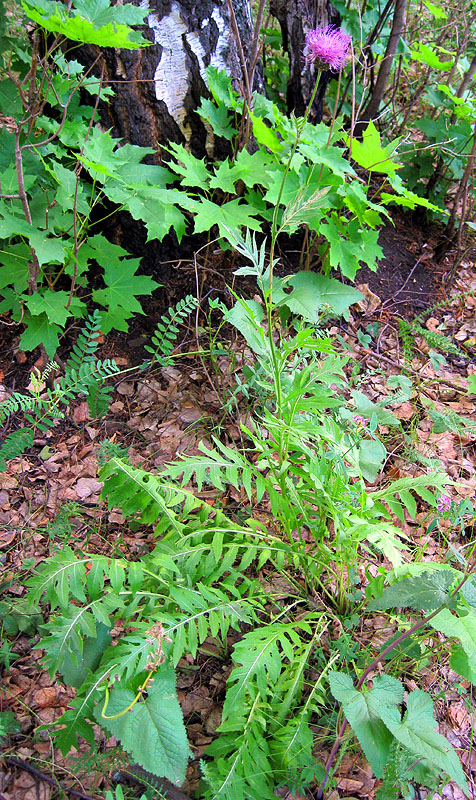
x: 86, y: 487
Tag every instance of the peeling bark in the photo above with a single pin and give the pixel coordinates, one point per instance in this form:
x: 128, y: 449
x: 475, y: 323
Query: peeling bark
x: 158, y: 88
x: 297, y: 18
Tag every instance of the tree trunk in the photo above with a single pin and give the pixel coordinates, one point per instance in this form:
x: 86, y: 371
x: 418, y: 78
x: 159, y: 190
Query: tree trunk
x: 371, y: 110
x: 297, y: 18
x: 158, y: 88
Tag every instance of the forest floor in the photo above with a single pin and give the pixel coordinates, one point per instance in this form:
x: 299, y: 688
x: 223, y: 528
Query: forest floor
x: 165, y: 412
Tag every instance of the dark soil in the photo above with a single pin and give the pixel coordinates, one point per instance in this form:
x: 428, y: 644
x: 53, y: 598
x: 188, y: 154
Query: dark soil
x: 408, y: 279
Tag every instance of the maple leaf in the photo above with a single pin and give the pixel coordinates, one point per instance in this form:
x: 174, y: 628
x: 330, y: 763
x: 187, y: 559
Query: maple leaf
x: 194, y: 170
x: 218, y: 118
x: 39, y: 330
x: 370, y: 154
x: 87, y: 25
x: 53, y: 304
x: 230, y: 215
x: 122, y: 284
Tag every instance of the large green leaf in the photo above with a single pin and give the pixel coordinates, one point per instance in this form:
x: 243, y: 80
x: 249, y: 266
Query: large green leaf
x: 39, y: 330
x: 152, y: 731
x: 230, y: 215
x: 372, y: 454
x: 194, y: 170
x: 362, y: 710
x: 53, y: 304
x: 370, y: 154
x: 122, y: 283
x: 218, y: 118
x: 424, y: 593
x: 461, y: 664
x: 91, y: 22
x: 311, y: 293
x: 418, y: 732
x: 462, y: 628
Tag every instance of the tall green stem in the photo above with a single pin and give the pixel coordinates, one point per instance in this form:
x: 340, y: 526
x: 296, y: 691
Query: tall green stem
x: 274, y: 236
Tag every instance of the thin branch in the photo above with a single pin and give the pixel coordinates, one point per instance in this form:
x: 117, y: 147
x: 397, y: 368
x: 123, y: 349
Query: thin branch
x: 18, y: 762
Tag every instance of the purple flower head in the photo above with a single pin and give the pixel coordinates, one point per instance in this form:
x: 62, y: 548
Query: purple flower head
x: 444, y: 503
x: 360, y: 420
x: 328, y: 48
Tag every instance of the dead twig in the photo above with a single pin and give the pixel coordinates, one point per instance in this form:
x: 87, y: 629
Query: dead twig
x: 12, y: 761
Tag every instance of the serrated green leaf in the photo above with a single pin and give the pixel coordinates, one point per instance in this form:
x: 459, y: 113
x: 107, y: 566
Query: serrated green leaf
x: 462, y: 628
x: 153, y: 731
x: 370, y: 154
x: 39, y: 330
x: 425, y: 593
x: 362, y: 710
x: 228, y: 216
x: 53, y: 304
x: 194, y: 170
x: 311, y: 293
x: 461, y: 664
x: 265, y: 135
x: 218, y: 118
x: 95, y: 22
x: 122, y: 283
x: 418, y: 732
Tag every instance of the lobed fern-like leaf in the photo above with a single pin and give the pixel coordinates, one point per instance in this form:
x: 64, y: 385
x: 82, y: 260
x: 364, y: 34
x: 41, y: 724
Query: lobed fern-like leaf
x: 404, y: 487
x: 15, y: 445
x: 166, y: 332
x: 220, y: 466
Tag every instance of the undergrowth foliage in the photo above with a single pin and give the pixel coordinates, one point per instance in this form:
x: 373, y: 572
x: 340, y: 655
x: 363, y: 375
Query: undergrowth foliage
x: 306, y: 456
x: 83, y: 375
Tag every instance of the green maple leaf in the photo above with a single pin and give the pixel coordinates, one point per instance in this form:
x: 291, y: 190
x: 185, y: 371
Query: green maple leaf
x: 370, y: 154
x: 53, y: 304
x: 122, y: 283
x: 14, y: 267
x: 39, y: 330
x: 194, y: 170
x: 70, y: 194
x: 342, y: 253
x: 92, y: 22
x: 225, y: 177
x: 330, y: 156
x: 254, y: 168
x: 157, y: 209
x: 218, y: 118
x: 230, y: 215
x: 101, y: 156
x: 311, y: 293
x: 362, y: 710
x: 266, y: 135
